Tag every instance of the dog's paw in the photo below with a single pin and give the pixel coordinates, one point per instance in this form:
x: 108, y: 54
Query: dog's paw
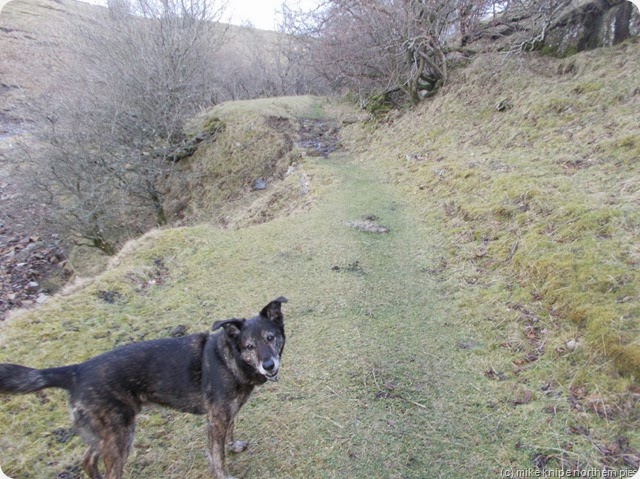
x: 238, y: 446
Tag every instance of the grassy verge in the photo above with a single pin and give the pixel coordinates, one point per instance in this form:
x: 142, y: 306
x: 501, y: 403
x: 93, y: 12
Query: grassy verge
x: 540, y: 203
x: 254, y: 140
x: 545, y: 191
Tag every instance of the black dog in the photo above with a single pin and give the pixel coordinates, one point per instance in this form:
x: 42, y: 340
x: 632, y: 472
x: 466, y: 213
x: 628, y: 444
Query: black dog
x: 211, y: 374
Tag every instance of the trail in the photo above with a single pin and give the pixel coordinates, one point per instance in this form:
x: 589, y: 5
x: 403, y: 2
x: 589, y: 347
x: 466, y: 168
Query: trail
x: 374, y: 377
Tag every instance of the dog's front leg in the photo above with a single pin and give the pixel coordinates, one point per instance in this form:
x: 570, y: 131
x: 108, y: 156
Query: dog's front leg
x: 233, y: 445
x: 217, y: 425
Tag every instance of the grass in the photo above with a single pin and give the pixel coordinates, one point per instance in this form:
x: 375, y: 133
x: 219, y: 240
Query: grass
x: 375, y: 383
x: 540, y: 203
x: 471, y: 338
x: 543, y: 192
x: 341, y: 395
x: 255, y: 140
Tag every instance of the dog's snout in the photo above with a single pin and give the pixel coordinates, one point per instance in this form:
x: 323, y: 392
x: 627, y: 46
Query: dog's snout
x: 269, y: 364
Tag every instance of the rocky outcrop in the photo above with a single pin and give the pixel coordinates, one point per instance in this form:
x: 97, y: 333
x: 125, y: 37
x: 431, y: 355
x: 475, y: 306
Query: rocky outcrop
x: 560, y: 27
x: 585, y: 25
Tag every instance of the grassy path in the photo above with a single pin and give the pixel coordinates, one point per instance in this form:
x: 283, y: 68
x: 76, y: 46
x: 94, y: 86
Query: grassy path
x: 373, y: 384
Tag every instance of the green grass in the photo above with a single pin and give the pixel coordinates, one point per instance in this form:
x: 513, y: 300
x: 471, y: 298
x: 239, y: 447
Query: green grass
x: 359, y: 390
x: 255, y: 140
x: 375, y: 380
x: 544, y: 193
x: 444, y: 348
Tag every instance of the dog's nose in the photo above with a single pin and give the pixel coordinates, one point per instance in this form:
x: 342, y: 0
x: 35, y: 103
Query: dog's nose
x: 268, y: 365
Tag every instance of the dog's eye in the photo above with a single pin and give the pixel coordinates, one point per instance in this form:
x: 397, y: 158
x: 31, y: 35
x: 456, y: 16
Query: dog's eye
x: 250, y: 346
x: 270, y: 337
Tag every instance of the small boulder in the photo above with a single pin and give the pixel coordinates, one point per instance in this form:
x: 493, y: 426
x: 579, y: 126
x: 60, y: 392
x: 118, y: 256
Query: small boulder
x: 260, y: 184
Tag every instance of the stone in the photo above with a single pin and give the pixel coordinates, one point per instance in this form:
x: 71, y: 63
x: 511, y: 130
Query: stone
x: 260, y: 184
x: 586, y: 25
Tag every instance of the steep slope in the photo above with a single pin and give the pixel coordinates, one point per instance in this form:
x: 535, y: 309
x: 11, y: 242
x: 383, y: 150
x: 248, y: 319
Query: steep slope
x: 33, y: 38
x: 537, y: 177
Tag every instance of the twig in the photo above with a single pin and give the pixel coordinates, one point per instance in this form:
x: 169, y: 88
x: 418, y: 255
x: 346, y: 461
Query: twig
x: 413, y: 402
x: 331, y: 421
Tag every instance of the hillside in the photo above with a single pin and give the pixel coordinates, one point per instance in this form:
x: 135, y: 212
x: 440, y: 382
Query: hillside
x: 467, y: 327
x: 462, y: 280
x: 34, y: 35
x: 40, y: 41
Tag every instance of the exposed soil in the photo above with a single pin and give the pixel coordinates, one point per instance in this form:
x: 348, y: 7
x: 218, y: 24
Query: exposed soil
x: 369, y: 224
x: 318, y: 137
x: 32, y: 258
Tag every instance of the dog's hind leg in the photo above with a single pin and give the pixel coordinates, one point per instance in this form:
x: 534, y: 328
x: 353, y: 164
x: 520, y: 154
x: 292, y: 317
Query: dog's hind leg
x: 109, y: 432
x: 90, y: 463
x: 115, y: 450
x: 83, y: 423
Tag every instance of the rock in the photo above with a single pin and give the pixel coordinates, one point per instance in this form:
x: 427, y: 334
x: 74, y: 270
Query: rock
x: 575, y: 26
x: 305, y: 185
x: 572, y: 344
x: 369, y: 224
x: 178, y: 331
x: 503, y: 105
x: 260, y: 184
x: 42, y: 298
x: 33, y: 285
x: 586, y: 25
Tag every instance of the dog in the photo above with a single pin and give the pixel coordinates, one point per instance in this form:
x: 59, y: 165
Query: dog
x: 211, y: 374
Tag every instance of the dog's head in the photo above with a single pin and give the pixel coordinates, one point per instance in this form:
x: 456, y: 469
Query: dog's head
x: 258, y: 341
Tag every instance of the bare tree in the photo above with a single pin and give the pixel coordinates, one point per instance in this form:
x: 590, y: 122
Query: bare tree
x: 257, y: 63
x: 531, y: 20
x: 114, y: 130
x: 386, y: 45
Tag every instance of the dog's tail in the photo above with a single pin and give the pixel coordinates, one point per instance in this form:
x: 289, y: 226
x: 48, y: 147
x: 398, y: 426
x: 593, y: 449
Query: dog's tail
x: 16, y: 379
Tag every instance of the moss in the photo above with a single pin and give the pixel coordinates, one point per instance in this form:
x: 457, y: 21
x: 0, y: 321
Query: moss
x: 213, y: 125
x: 569, y: 52
x: 551, y: 50
x: 627, y: 358
x: 556, y: 51
x: 378, y: 104
x: 588, y: 87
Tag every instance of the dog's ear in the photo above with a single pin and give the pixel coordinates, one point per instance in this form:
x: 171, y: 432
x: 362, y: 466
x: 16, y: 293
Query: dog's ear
x: 232, y: 327
x: 273, y: 311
